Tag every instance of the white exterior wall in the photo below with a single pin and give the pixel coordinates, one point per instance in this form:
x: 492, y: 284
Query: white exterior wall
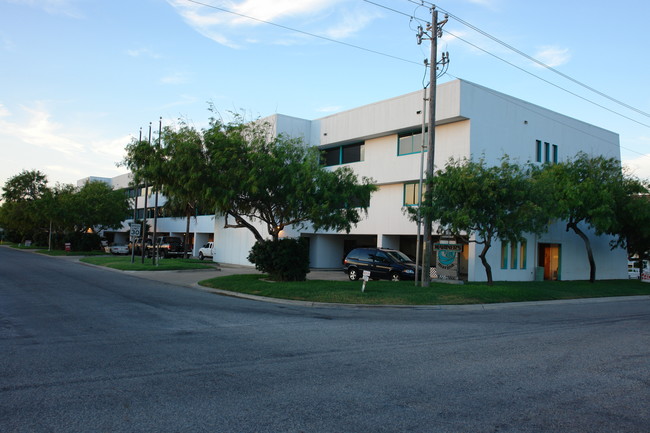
x: 233, y: 245
x: 503, y: 125
x: 472, y: 121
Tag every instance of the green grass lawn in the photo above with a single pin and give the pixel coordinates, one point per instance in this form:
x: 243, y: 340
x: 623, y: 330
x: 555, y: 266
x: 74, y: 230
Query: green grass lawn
x: 405, y: 293
x: 123, y: 263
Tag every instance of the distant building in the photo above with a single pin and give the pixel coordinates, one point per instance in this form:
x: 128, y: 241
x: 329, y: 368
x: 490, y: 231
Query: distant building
x: 383, y: 141
x: 85, y: 180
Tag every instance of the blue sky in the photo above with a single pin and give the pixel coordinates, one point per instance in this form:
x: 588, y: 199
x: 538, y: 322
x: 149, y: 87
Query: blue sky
x: 80, y: 77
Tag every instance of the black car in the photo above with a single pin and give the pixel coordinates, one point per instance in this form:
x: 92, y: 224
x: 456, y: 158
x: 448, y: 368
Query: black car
x: 383, y: 263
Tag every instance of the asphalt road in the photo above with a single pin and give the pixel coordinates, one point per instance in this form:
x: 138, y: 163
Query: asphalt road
x: 90, y: 350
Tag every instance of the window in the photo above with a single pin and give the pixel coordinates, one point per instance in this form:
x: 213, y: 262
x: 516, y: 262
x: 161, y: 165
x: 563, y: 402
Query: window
x: 411, y: 193
x: 411, y: 142
x: 547, y: 151
x: 513, y: 254
x: 344, y: 154
x: 353, y: 153
x: 504, y: 255
x: 332, y: 156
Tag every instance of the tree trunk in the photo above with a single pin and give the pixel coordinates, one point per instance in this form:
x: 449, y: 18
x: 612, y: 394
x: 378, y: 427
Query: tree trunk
x: 486, y: 265
x: 241, y: 223
x: 590, y: 255
x: 187, y: 233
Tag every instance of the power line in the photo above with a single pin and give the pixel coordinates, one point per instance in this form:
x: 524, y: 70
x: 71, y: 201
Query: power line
x: 304, y: 32
x: 538, y: 62
x: 549, y: 82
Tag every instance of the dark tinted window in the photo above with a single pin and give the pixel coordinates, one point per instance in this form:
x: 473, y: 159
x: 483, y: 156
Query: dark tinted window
x: 360, y: 254
x: 353, y: 153
x: 332, y: 156
x: 381, y: 257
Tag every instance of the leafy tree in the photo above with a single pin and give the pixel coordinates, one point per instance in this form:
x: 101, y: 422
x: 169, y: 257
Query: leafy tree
x: 469, y: 198
x: 175, y: 166
x: 279, y: 181
x: 20, y: 211
x: 97, y: 207
x: 632, y: 228
x: 25, y: 186
x: 585, y: 190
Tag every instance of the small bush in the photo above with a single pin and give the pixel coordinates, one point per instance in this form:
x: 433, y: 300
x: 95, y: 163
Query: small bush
x: 282, y: 260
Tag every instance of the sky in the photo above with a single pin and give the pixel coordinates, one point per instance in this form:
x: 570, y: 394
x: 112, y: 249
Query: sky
x: 80, y: 78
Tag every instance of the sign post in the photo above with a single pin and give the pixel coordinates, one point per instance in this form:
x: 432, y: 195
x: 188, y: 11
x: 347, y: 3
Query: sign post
x: 447, y: 264
x: 366, y: 277
x: 136, y: 231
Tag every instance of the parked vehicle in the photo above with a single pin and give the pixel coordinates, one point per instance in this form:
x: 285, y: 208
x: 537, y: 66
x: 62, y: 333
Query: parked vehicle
x: 168, y: 246
x: 206, y: 250
x: 633, y: 269
x: 382, y: 263
x: 137, y: 245
x: 119, y: 249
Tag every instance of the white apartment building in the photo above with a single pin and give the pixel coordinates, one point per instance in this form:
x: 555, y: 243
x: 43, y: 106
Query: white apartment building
x: 383, y: 141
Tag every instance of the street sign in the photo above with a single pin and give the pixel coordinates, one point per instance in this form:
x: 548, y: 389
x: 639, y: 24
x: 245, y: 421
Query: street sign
x: 135, y: 230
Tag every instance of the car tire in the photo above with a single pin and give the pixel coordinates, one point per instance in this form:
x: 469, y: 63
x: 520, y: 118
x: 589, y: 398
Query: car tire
x: 201, y: 256
x: 395, y: 276
x: 353, y: 274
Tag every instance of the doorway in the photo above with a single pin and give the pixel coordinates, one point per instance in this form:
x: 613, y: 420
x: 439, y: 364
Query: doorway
x: 548, y: 257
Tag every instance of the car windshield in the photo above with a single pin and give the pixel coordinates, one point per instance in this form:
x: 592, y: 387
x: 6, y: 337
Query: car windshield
x: 399, y: 256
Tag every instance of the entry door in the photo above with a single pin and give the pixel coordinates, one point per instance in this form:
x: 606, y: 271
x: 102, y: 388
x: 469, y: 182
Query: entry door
x: 549, y: 258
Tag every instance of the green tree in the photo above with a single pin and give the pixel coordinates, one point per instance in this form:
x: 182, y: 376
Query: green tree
x: 25, y: 186
x: 20, y: 211
x: 279, y: 181
x: 469, y: 198
x: 176, y: 165
x: 584, y: 191
x: 632, y: 228
x: 97, y: 207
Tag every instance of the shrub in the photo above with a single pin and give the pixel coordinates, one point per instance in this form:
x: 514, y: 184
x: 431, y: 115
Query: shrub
x: 283, y: 260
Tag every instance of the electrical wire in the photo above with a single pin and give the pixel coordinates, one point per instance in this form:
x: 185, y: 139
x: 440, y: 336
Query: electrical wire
x: 536, y: 61
x: 303, y: 32
x: 413, y: 17
x: 548, y: 82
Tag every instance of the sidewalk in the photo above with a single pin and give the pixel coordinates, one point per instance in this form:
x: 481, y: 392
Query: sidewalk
x: 191, y: 277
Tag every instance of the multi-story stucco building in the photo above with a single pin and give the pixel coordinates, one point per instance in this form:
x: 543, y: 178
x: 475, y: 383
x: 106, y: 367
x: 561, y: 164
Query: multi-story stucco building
x: 383, y: 141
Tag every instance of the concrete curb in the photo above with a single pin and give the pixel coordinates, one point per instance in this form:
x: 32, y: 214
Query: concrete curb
x: 469, y: 307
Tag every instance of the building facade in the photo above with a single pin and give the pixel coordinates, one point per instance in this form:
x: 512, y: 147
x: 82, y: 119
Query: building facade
x: 383, y: 141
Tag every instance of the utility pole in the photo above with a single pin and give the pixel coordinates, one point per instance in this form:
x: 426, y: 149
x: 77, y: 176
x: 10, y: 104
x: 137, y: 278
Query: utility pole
x: 144, y: 219
x: 435, y: 31
x: 135, y: 211
x: 154, y: 259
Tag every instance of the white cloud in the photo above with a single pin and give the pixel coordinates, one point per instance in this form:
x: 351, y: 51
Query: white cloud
x: 640, y: 165
x: 351, y: 23
x: 553, y: 56
x: 269, y: 11
x: 4, y: 111
x: 40, y: 130
x: 112, y: 148
x: 234, y: 28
